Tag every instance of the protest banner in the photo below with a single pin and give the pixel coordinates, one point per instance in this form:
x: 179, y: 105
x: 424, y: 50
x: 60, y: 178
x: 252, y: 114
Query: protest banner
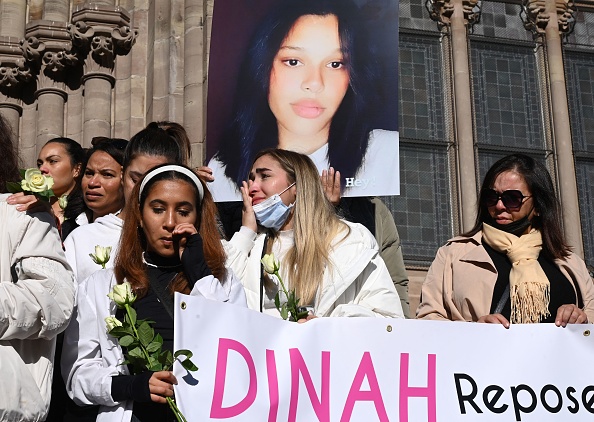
x: 253, y: 367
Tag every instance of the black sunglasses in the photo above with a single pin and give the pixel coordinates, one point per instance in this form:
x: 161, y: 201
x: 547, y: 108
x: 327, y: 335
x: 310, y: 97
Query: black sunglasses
x: 512, y: 199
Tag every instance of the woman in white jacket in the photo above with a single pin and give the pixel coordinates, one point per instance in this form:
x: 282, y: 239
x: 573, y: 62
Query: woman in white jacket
x: 169, y: 243
x: 333, y: 265
x: 36, y: 299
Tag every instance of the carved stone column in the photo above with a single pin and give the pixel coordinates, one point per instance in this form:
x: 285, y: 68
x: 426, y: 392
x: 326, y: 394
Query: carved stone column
x: 13, y: 71
x: 102, y: 32
x: 194, y: 59
x: 457, y: 16
x: 47, y: 47
x: 549, y: 20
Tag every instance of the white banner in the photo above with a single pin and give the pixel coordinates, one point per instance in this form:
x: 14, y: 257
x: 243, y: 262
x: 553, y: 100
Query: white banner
x: 253, y: 367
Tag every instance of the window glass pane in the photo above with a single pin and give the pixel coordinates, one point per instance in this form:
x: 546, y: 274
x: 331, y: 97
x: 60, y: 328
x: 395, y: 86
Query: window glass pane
x: 579, y: 68
x: 414, y: 15
x: 420, y: 88
x: 422, y: 212
x: 585, y: 175
x: 501, y: 20
x: 506, y: 95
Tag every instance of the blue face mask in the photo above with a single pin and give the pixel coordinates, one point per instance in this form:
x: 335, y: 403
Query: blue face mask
x: 272, y: 213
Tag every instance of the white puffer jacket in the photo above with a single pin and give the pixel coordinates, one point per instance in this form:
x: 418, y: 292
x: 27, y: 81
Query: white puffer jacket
x: 37, y: 291
x: 358, y: 284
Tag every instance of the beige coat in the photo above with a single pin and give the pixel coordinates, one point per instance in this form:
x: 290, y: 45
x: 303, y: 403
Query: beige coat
x: 459, y: 284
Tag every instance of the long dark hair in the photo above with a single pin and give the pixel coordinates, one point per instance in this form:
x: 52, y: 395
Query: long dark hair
x: 78, y: 157
x: 129, y: 265
x: 9, y: 170
x: 546, y: 204
x: 254, y: 127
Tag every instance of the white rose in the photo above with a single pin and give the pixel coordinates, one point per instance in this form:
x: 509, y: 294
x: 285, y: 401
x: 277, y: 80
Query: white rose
x: 101, y: 255
x: 112, y: 322
x: 36, y: 182
x: 63, y: 201
x: 122, y: 294
x: 270, y: 264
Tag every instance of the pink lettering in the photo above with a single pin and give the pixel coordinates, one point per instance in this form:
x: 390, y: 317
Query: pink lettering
x: 272, y: 385
x: 217, y: 410
x: 320, y: 406
x: 365, y: 369
x: 406, y: 391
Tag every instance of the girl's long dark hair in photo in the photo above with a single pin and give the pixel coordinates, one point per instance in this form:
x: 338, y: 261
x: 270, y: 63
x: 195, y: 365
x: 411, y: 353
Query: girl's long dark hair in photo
x: 254, y: 126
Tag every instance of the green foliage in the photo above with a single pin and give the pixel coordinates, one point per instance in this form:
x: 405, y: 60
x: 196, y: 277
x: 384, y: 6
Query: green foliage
x: 143, y: 350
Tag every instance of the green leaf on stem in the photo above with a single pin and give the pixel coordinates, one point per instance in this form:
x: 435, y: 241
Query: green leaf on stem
x: 277, y: 300
x: 122, y: 331
x: 153, y: 347
x: 136, y: 353
x: 158, y: 339
x: 186, y: 363
x: 145, y: 333
x: 166, y: 358
x: 130, y: 315
x: 284, y: 311
x: 127, y: 341
x: 13, y: 187
x: 184, y: 352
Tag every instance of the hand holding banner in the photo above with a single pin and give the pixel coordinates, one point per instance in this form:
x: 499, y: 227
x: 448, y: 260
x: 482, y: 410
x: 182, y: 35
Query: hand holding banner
x: 254, y: 367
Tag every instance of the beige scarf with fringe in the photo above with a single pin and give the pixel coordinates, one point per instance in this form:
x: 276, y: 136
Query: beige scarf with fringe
x: 529, y: 286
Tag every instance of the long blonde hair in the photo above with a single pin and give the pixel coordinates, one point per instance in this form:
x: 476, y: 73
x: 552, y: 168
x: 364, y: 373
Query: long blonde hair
x: 315, y: 225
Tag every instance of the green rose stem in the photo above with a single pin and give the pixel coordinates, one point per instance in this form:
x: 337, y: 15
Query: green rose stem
x: 178, y: 414
x: 144, y: 351
x: 293, y: 311
x: 272, y: 266
x: 172, y: 405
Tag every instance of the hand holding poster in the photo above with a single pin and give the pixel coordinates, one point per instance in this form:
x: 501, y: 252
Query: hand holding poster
x: 255, y: 368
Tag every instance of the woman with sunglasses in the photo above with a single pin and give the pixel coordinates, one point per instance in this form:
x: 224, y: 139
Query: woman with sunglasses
x: 514, y: 266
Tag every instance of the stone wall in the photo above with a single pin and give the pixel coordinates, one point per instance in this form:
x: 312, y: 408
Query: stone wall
x: 102, y: 68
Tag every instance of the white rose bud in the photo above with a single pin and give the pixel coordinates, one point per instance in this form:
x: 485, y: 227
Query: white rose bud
x: 270, y: 264
x: 122, y: 294
x: 101, y: 255
x: 112, y: 322
x: 63, y: 201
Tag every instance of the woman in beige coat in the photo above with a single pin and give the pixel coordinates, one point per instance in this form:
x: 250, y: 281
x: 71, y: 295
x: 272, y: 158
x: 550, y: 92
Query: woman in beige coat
x: 514, y: 265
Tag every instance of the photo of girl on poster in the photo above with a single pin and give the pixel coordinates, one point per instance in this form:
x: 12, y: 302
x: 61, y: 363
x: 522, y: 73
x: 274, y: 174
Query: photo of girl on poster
x: 318, y: 77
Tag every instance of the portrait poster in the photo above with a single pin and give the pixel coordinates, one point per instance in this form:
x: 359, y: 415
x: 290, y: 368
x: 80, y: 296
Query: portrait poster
x: 319, y: 77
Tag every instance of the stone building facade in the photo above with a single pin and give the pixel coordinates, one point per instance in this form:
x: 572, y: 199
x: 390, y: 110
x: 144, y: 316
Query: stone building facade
x: 478, y: 80
x: 101, y: 68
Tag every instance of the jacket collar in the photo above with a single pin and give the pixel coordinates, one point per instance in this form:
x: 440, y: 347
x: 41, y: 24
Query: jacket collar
x: 475, y: 253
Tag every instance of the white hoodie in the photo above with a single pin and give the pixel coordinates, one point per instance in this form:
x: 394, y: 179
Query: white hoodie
x: 104, y: 231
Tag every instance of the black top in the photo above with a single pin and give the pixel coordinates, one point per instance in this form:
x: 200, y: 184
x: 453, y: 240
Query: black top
x: 561, y: 293
x: 160, y: 272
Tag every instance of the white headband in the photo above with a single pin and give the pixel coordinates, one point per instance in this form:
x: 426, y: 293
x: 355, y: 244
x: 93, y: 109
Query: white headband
x: 176, y: 168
